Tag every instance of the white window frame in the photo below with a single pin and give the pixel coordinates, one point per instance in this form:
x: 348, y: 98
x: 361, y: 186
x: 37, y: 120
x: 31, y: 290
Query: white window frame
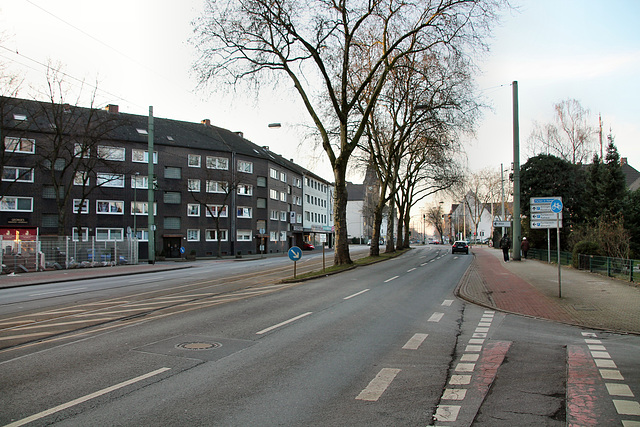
x: 10, y: 204
x: 244, y: 235
x: 113, y: 180
x: 273, y: 173
x: 113, y: 234
x: 114, y: 207
x: 142, y: 234
x: 245, y: 212
x: 216, y: 186
x: 79, y: 151
x: 283, y: 177
x: 283, y: 235
x: 79, y: 178
x: 223, y: 211
x: 193, y: 234
x: 143, y: 208
x: 245, y: 190
x: 273, y: 215
x: 211, y: 235
x: 108, y: 152
x: 142, y: 156
x: 220, y: 163
x: 193, y: 185
x: 84, y: 231
x: 84, y: 209
x: 194, y: 160
x: 283, y: 216
x: 19, y: 145
x: 140, y: 182
x: 273, y: 236
x: 193, y: 209
x: 19, y: 174
x: 283, y: 196
x: 273, y: 194
x: 245, y: 166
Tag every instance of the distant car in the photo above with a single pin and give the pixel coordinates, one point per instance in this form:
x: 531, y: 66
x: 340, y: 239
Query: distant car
x: 460, y: 246
x: 434, y: 242
x: 306, y: 246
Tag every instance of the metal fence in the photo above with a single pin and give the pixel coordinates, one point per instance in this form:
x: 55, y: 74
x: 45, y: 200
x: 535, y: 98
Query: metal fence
x: 49, y: 253
x: 628, y: 269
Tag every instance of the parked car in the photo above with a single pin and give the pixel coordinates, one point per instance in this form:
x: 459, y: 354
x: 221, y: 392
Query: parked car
x: 306, y: 246
x: 460, y: 246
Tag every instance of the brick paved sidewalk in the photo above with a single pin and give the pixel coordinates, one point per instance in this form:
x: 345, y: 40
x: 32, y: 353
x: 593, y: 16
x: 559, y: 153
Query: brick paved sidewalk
x: 530, y: 288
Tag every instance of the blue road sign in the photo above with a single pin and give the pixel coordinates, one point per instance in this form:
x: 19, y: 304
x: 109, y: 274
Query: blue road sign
x: 181, y: 249
x: 556, y: 206
x: 295, y: 253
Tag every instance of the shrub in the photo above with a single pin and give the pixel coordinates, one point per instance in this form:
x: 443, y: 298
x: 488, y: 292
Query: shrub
x: 585, y: 247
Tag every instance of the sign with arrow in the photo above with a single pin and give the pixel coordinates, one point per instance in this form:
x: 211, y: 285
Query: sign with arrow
x: 295, y: 253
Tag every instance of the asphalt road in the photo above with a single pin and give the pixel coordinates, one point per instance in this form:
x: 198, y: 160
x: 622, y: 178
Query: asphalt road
x: 387, y: 344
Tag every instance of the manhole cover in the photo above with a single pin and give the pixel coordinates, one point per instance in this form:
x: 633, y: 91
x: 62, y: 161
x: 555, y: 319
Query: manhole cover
x: 198, y: 345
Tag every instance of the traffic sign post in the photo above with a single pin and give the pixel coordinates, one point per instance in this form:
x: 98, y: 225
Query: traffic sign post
x: 546, y: 212
x: 295, y: 253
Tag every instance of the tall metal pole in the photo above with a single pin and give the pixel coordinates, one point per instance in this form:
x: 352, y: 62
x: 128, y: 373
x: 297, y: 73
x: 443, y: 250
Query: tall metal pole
x: 516, y: 176
x: 504, y: 218
x: 151, y: 198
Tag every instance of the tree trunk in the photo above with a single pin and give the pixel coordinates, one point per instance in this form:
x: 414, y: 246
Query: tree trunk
x: 377, y: 222
x: 390, y: 224
x: 341, y: 252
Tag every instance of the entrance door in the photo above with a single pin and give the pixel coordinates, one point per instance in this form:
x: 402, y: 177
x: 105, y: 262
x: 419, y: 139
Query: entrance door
x: 171, y: 246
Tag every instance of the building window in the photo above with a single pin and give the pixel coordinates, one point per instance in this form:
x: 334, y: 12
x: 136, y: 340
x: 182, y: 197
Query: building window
x: 297, y: 182
x: 172, y: 172
x: 142, y: 208
x: 81, y: 206
x: 193, y: 235
x: 274, y: 215
x: 110, y: 180
x: 216, y: 211
x: 273, y: 236
x: 244, y: 212
x: 142, y: 235
x: 109, y: 234
x: 221, y: 163
x: 299, y: 218
x: 273, y: 173
x: 172, y: 197
x: 283, y: 177
x: 245, y: 167
x: 172, y: 223
x: 20, y: 145
x: 106, y: 152
x: 17, y: 174
x: 113, y: 207
x: 261, y: 203
x: 81, y: 151
x: 50, y: 220
x: 217, y: 186
x: 193, y: 209
x: 193, y: 185
x: 16, y: 204
x: 245, y: 190
x: 273, y: 194
x: 194, y: 161
x: 142, y: 156
x: 283, y: 216
x: 49, y: 192
x: 84, y: 232
x: 261, y: 181
x: 283, y: 196
x: 81, y: 178
x: 244, y: 235
x: 213, y: 235
x: 283, y: 236
x: 140, y: 181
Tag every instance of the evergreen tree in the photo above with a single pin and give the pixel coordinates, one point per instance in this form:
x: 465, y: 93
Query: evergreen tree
x: 613, y: 184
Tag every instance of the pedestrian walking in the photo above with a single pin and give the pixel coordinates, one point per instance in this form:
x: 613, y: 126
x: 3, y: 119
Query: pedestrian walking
x: 505, y: 245
x: 525, y: 247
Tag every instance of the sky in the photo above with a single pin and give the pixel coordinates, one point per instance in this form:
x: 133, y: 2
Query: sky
x: 138, y: 53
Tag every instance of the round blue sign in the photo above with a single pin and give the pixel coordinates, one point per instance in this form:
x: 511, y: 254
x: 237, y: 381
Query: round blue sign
x: 181, y: 249
x: 295, y: 253
x: 556, y: 206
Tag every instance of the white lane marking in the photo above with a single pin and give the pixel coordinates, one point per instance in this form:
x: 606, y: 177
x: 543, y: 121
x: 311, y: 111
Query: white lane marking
x: 435, y: 317
x: 271, y: 328
x: 597, y: 347
x: 589, y: 334
x: 469, y: 357
x: 415, y: 342
x: 378, y: 385
x: 56, y: 292
x: 592, y: 341
x: 619, y: 390
x: 627, y: 407
x: 447, y: 413
x: 356, y: 294
x: 85, y: 398
x: 423, y: 264
x: 611, y: 374
x: 454, y: 394
x: 465, y: 367
x: 600, y: 355
x: 605, y: 363
x: 410, y: 270
x: 447, y: 302
x: 393, y: 278
x: 472, y: 348
x: 460, y: 379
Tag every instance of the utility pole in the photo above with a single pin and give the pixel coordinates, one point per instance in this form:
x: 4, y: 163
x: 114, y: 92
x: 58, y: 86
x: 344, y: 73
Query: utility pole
x: 516, y: 176
x: 150, y: 197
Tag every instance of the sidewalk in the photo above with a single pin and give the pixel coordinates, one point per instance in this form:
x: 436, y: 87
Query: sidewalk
x: 530, y: 287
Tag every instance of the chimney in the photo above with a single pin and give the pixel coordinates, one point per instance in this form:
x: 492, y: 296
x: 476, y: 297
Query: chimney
x: 623, y: 160
x: 66, y: 108
x: 206, y: 122
x: 112, y: 108
x: 240, y: 134
x: 266, y: 147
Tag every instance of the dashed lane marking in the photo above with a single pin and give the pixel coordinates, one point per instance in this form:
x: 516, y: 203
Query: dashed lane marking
x: 390, y: 279
x: 447, y: 303
x: 356, y: 294
x: 378, y: 385
x: 286, y: 322
x: 415, y: 342
x: 435, y: 317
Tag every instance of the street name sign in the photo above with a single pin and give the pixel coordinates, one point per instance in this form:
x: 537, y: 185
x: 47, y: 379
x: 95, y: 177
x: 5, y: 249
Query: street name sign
x: 543, y: 216
x: 546, y: 212
x: 545, y: 224
x: 502, y: 223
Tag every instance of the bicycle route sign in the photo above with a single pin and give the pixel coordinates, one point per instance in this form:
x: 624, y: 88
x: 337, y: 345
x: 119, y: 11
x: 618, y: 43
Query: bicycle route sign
x: 546, y: 212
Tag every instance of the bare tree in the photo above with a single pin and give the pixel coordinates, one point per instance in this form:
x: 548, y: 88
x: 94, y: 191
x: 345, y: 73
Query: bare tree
x: 319, y: 45
x: 435, y: 216
x: 569, y: 136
